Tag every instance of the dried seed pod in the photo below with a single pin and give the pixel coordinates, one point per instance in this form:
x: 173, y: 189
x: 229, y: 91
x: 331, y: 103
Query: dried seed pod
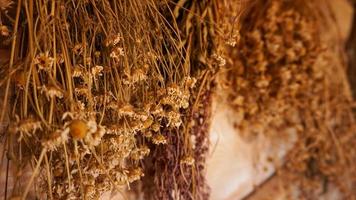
x: 78, y: 129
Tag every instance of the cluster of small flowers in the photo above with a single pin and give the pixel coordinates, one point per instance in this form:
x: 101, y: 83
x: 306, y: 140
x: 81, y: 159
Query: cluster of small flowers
x: 274, y: 68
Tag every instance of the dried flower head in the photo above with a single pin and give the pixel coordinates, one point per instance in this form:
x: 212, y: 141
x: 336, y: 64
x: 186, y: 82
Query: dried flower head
x: 97, y: 70
x: 95, y: 134
x: 147, y: 123
x: 51, y: 91
x: 113, y: 40
x: 116, y: 53
x: 29, y: 125
x: 140, y: 153
x: 135, y: 174
x: 44, y: 61
x: 78, y: 129
x: 220, y: 60
x: 159, y: 139
x: 126, y: 110
x: 176, y: 97
x: 78, y: 71
x: 189, y: 82
x: 174, y: 119
x: 188, y: 160
x: 56, y: 139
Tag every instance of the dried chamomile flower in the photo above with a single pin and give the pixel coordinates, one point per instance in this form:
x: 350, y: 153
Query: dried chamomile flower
x: 156, y: 126
x: 90, y: 192
x: 157, y: 110
x: 135, y: 174
x: 189, y: 82
x: 126, y: 110
x: 113, y: 105
x: 176, y: 97
x: 78, y: 71
x: 174, y: 119
x: 116, y: 53
x: 78, y: 129
x: 115, y: 129
x: 44, y: 61
x: 220, y: 60
x: 82, y: 90
x: 97, y: 70
x: 147, y: 123
x: 121, y: 177
x: 51, y: 92
x: 187, y: 160
x: 56, y: 139
x: 139, y: 153
x: 29, y: 125
x: 117, y: 39
x: 159, y: 139
x: 233, y: 39
x: 88, y: 61
x: 95, y: 134
x: 113, y: 40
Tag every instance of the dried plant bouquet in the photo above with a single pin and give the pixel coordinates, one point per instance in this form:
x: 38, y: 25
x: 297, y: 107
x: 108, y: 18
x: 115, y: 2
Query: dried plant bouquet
x: 115, y: 95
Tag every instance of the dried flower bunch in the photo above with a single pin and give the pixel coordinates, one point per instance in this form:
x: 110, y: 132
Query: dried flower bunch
x: 103, y: 95
x: 92, y: 88
x: 283, y: 76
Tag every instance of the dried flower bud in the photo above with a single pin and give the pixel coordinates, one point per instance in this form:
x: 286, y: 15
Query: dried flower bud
x: 4, y: 31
